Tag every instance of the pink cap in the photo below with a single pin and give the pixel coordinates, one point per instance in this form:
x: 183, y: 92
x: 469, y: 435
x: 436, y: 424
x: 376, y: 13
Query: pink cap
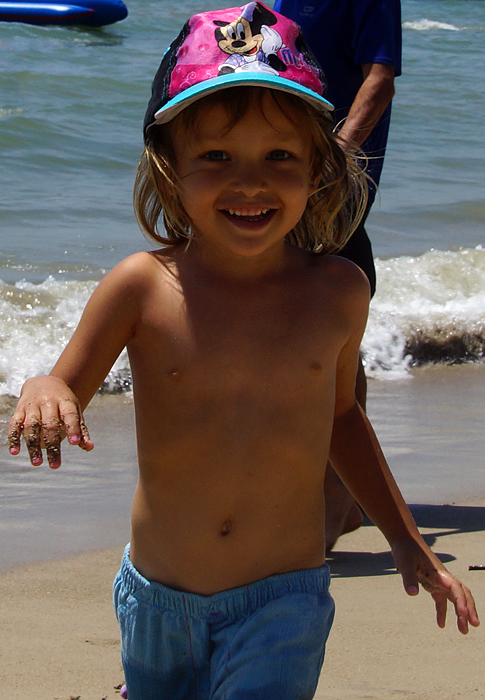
x: 248, y: 45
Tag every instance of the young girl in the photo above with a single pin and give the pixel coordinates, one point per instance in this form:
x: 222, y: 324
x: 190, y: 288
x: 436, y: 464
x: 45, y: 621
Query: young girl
x: 243, y: 340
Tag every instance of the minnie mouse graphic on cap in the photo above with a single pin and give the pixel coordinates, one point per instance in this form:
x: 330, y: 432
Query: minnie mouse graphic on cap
x: 250, y: 41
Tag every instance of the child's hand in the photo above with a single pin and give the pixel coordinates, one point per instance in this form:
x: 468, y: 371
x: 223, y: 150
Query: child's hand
x: 46, y: 413
x: 417, y: 563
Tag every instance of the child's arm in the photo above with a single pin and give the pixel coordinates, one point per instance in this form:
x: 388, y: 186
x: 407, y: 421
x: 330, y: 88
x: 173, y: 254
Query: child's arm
x: 51, y: 407
x: 357, y: 457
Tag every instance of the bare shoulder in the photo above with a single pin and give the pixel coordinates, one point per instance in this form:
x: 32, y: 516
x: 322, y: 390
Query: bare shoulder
x: 342, y: 278
x: 138, y: 266
x: 138, y: 272
x: 128, y: 287
x: 342, y: 269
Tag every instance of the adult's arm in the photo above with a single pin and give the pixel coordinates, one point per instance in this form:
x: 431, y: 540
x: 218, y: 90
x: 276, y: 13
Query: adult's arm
x: 372, y: 99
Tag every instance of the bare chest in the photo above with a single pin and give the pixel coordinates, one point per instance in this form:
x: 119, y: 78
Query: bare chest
x: 245, y: 348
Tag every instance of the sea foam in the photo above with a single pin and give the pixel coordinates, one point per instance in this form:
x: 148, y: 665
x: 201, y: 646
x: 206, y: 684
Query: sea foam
x: 425, y: 25
x: 427, y: 309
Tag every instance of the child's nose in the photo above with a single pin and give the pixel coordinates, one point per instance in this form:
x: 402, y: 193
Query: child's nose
x: 250, y: 180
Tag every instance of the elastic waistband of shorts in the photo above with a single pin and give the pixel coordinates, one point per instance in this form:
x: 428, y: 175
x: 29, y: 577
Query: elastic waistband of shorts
x: 235, y: 602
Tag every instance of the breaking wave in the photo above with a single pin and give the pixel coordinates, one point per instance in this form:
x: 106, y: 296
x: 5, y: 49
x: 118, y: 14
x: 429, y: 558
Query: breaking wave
x: 427, y: 309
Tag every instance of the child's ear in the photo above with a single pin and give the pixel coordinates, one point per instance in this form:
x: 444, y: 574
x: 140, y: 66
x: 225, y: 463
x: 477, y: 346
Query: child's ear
x: 315, y: 179
x: 314, y: 184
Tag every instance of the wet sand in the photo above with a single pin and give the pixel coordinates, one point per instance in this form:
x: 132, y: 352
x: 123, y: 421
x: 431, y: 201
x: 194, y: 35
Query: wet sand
x: 431, y: 428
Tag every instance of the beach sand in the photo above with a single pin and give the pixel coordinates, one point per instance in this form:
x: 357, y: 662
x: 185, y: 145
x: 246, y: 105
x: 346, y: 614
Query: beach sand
x: 385, y: 644
x: 60, y: 639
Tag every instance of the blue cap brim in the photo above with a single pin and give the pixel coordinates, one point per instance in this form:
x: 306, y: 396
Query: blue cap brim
x: 255, y: 79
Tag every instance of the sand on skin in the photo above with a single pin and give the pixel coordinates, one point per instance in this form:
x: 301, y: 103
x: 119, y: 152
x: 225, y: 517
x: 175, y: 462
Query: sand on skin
x: 60, y: 638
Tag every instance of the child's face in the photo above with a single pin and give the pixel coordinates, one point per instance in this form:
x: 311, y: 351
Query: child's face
x: 245, y: 188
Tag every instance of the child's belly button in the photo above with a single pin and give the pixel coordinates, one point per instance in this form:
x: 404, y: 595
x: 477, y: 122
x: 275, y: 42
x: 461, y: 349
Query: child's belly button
x: 225, y: 528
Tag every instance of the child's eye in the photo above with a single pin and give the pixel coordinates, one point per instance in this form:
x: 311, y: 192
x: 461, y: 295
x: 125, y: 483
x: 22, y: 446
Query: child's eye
x: 215, y: 156
x: 279, y: 155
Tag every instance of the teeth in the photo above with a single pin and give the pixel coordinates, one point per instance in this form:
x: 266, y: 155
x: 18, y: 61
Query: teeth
x: 244, y: 212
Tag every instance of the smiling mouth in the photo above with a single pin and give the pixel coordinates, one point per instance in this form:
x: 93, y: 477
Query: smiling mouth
x: 242, y: 215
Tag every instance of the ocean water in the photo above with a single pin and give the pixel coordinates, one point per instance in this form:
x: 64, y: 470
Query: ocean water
x: 71, y: 107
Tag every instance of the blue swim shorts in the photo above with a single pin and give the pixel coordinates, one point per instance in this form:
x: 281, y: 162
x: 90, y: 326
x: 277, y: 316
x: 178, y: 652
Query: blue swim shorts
x: 264, y: 641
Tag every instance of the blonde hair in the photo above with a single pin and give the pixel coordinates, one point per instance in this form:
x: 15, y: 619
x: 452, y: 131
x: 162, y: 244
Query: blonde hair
x: 333, y: 211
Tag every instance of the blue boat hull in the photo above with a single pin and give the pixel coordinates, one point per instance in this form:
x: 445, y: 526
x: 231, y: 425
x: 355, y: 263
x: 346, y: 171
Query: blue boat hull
x: 89, y: 13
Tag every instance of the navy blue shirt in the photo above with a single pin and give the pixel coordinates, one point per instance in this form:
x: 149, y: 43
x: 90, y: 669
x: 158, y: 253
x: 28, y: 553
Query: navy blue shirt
x: 343, y: 35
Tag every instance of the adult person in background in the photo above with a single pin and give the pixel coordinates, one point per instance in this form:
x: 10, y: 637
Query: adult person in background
x: 358, y: 44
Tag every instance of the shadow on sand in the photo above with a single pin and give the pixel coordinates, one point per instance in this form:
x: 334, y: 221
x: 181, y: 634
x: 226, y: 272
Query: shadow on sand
x: 446, y: 520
